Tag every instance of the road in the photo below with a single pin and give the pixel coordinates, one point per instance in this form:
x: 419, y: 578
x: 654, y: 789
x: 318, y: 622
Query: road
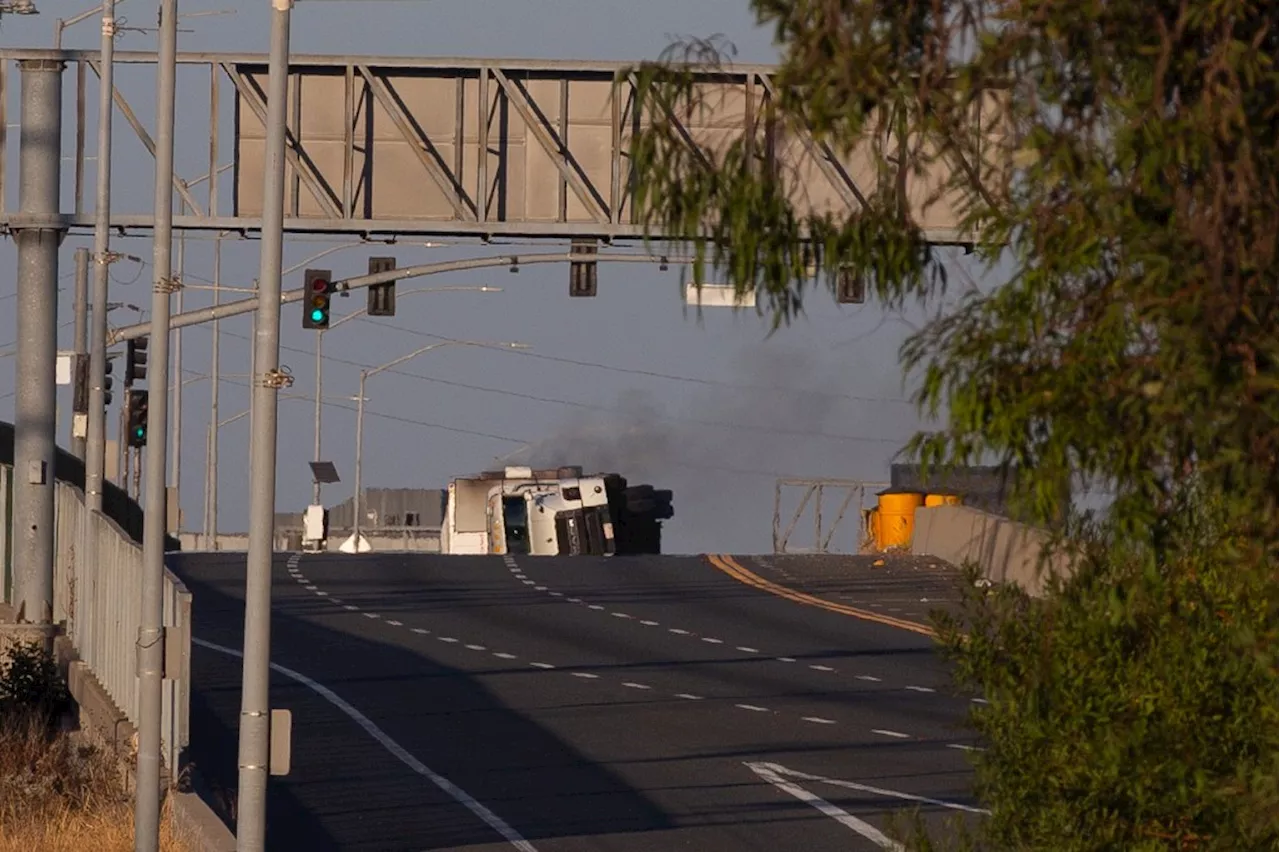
x: 615, y: 705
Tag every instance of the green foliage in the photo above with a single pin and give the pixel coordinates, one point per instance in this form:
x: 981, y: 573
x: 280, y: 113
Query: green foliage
x: 31, y: 684
x: 1126, y: 201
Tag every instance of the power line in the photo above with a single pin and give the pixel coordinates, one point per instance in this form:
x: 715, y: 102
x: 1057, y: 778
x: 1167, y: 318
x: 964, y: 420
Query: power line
x: 771, y: 474
x: 743, y: 427
x: 657, y: 375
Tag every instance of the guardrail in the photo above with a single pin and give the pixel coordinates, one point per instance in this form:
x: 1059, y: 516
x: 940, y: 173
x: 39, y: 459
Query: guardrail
x: 96, y: 600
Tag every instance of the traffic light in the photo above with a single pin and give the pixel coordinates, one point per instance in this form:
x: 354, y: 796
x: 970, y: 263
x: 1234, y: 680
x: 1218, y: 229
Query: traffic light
x: 582, y: 273
x: 106, y: 384
x: 382, y: 297
x: 315, y: 305
x: 850, y: 288
x: 135, y: 361
x: 137, y: 418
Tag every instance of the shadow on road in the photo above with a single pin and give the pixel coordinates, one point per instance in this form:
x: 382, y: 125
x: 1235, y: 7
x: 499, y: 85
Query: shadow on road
x: 345, y: 790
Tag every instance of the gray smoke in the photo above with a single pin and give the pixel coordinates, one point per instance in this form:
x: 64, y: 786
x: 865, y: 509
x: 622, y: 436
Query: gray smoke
x: 779, y: 421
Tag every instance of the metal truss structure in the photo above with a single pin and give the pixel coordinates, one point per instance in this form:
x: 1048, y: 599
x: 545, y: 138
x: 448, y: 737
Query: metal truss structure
x: 852, y: 493
x: 488, y: 148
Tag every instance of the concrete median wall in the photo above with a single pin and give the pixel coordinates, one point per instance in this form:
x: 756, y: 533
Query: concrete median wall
x: 1006, y: 551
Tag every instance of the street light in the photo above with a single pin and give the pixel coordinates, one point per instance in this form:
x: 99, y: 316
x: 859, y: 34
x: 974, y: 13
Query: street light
x: 356, y: 506
x: 315, y: 486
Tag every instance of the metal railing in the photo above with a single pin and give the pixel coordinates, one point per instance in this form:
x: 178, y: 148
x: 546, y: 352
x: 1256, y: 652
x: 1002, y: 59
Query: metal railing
x: 97, y: 602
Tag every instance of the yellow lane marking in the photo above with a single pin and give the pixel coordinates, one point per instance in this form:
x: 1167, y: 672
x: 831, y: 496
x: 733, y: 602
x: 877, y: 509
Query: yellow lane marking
x: 734, y: 569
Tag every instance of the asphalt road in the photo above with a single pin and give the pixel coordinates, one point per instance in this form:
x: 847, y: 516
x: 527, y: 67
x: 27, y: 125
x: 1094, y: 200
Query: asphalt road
x: 616, y: 705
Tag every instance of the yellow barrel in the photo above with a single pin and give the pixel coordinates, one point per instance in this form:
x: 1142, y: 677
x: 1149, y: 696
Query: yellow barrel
x: 931, y: 500
x: 897, y: 516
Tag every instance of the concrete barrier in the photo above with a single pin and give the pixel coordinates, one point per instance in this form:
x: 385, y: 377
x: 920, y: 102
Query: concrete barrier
x: 1005, y: 551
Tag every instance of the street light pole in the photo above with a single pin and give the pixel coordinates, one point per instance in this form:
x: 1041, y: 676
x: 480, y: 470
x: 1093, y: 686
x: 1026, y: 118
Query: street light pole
x: 358, y: 498
x: 255, y: 700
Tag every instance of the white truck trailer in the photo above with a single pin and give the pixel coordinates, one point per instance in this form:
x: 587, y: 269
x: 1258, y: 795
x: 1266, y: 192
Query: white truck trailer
x: 559, y: 511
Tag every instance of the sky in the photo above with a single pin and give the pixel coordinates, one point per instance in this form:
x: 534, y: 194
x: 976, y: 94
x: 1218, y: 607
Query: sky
x: 713, y: 407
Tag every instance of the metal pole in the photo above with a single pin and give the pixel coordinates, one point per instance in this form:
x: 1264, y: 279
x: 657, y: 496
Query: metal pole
x: 255, y: 718
x: 175, y: 454
x: 80, y: 341
x: 35, y: 405
x: 215, y: 355
x: 151, y: 622
x: 252, y: 304
x: 315, y: 485
x: 211, y: 472
x: 357, y: 507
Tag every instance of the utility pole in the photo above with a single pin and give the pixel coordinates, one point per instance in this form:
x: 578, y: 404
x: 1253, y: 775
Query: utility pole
x: 215, y: 355
x: 35, y: 404
x: 96, y: 433
x: 255, y: 706
x: 151, y: 622
x: 175, y: 454
x: 80, y: 344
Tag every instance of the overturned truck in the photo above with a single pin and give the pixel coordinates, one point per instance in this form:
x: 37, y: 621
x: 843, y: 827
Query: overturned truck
x: 558, y: 511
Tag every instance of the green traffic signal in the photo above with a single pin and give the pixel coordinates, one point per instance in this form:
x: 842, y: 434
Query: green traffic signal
x: 317, y: 315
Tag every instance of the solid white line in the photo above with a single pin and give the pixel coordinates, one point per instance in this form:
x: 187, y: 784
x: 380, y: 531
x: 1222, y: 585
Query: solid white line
x: 455, y: 792
x: 815, y: 801
x: 818, y: 720
x: 920, y: 689
x: 752, y: 707
x: 542, y: 665
x: 863, y: 788
x: 636, y: 685
x: 885, y: 733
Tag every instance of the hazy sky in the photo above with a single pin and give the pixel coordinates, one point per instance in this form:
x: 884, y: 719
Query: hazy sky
x: 713, y: 410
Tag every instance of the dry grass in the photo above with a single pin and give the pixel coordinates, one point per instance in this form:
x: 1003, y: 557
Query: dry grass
x: 57, y: 796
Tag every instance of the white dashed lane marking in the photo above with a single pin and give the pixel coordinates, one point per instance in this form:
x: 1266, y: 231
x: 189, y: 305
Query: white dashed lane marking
x: 679, y: 631
x: 687, y: 696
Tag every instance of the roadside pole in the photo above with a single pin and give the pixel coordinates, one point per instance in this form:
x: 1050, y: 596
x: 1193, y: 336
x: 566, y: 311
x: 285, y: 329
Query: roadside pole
x: 80, y: 347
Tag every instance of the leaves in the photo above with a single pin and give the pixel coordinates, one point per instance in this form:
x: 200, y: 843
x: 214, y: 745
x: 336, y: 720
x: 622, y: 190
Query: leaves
x: 1126, y: 201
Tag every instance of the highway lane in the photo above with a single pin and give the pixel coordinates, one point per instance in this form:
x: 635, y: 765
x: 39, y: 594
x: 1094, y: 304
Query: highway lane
x: 687, y: 711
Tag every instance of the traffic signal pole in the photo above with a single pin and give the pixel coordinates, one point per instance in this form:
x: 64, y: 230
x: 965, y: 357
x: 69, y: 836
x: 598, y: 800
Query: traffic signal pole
x: 155, y: 523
